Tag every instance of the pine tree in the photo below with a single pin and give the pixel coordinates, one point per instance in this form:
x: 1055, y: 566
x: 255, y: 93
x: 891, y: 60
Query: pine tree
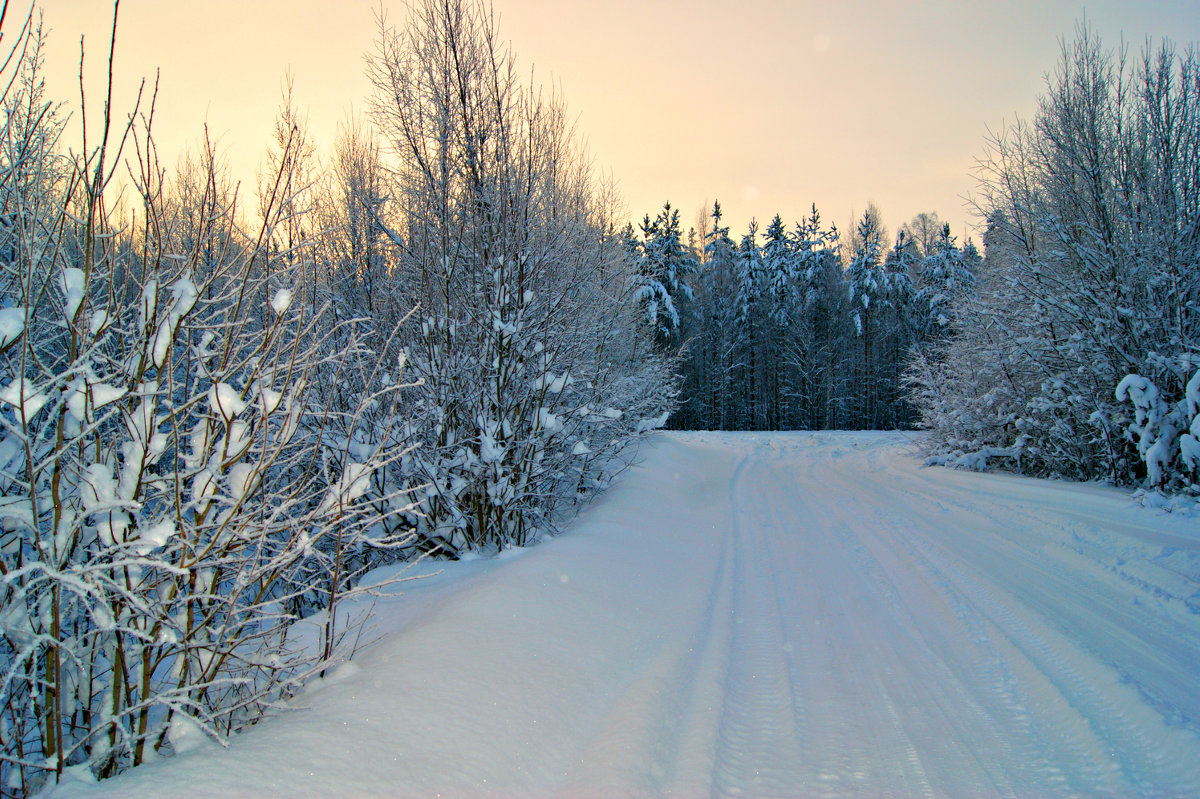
x: 898, y: 333
x: 946, y: 278
x: 664, y: 266
x: 867, y: 287
x: 719, y: 314
x: 781, y: 320
x: 750, y: 303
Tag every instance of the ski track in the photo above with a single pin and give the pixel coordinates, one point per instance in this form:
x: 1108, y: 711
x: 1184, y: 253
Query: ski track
x: 770, y: 615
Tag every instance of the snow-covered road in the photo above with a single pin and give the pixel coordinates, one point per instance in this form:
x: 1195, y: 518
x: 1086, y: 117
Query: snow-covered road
x: 772, y: 615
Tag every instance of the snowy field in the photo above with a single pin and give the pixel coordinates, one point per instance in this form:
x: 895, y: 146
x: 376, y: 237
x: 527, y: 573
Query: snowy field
x: 770, y: 615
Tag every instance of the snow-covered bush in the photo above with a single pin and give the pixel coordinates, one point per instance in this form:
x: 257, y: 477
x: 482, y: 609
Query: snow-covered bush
x: 1092, y: 269
x: 534, y: 366
x: 1166, y: 430
x: 174, y: 488
x: 206, y: 433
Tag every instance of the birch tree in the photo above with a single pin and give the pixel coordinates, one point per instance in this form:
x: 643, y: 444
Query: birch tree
x: 532, y: 369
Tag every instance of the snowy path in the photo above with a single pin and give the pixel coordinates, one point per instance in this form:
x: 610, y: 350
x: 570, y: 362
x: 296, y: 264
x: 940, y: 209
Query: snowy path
x: 786, y: 615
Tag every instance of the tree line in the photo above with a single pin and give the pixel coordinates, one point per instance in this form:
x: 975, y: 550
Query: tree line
x: 798, y: 328
x: 1069, y: 348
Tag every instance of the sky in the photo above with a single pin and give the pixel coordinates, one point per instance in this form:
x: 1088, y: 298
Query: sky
x: 766, y: 105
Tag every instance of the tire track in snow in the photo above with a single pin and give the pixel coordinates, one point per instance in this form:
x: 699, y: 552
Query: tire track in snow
x: 659, y: 735
x: 758, y: 740
x: 865, y: 536
x: 981, y: 664
x: 1118, y: 745
x: 892, y: 667
x: 1107, y: 736
x: 972, y: 674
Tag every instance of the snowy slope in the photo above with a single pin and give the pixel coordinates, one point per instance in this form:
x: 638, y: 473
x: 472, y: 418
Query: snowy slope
x: 768, y: 616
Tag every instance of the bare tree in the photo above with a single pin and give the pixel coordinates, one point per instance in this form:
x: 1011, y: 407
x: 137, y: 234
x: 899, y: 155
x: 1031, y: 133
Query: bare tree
x: 1089, y: 276
x: 532, y: 368
x: 172, y: 493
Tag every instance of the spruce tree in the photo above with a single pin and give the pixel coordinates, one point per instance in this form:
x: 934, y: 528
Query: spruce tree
x: 663, y: 267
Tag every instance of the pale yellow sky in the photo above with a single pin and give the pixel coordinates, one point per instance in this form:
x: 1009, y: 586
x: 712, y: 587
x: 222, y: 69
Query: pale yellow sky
x: 767, y: 105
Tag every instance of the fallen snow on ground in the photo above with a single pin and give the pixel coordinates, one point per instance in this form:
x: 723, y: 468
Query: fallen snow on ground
x: 767, y: 615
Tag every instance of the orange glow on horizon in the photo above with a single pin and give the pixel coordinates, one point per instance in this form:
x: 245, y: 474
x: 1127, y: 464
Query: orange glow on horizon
x: 768, y: 107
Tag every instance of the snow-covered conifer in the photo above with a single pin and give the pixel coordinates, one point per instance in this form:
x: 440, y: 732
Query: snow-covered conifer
x: 664, y: 265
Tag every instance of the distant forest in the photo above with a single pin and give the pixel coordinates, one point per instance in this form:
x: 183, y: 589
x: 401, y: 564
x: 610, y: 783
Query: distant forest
x: 1069, y: 347
x: 799, y: 327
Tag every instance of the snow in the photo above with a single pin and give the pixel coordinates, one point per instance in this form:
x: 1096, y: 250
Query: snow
x: 765, y: 615
x: 547, y: 421
x: 281, y: 301
x: 22, y: 395
x: 149, y: 305
x: 226, y: 401
x: 653, y: 423
x: 12, y: 325
x: 552, y: 383
x: 99, y: 498
x: 102, y: 319
x: 100, y: 488
x: 155, y: 535
x: 268, y: 398
x: 243, y: 477
x: 1140, y: 391
x: 161, y: 344
x: 73, y: 283
x: 184, y: 296
x: 1189, y: 447
x: 490, y: 450
x: 185, y: 734
x: 104, y: 394
x: 356, y: 479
